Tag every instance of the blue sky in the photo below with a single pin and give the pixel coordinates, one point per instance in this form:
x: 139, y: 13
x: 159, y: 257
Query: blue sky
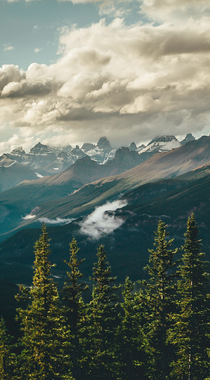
x: 31, y: 30
x: 72, y: 71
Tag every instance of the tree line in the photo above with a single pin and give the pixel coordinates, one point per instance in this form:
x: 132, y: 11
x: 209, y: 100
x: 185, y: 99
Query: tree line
x: 158, y: 329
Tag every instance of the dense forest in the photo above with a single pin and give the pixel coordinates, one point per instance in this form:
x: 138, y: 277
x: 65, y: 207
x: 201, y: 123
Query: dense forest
x: 157, y: 329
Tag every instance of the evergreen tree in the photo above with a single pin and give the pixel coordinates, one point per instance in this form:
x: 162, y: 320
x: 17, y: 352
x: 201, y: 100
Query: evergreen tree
x: 7, y: 359
x: 191, y: 332
x: 42, y: 339
x: 74, y: 310
x: 103, y: 320
x: 132, y: 349
x: 160, y: 301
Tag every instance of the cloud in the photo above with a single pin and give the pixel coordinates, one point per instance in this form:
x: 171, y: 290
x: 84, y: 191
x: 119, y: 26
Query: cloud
x: 37, y: 50
x: 24, y: 139
x: 8, y: 47
x: 174, y: 10
x: 28, y: 217
x: 127, y: 82
x: 100, y: 223
x: 55, y: 221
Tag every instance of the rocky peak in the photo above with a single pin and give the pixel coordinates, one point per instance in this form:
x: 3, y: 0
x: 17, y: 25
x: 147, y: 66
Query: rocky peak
x: 103, y: 143
x: 124, y: 154
x: 18, y: 151
x: 67, y: 148
x: 77, y: 152
x: 163, y: 139
x: 87, y: 146
x: 40, y: 149
x: 189, y: 137
x: 133, y: 146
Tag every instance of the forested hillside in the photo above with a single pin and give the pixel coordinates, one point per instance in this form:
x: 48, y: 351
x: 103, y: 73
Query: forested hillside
x: 157, y: 328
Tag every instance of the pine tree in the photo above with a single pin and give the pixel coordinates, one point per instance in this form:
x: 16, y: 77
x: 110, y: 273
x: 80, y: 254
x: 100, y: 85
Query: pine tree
x: 41, y: 356
x: 132, y: 348
x: 74, y: 310
x: 103, y: 320
x: 192, y: 323
x: 159, y: 300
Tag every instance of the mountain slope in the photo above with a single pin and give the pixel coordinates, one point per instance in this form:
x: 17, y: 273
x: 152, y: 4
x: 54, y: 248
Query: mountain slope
x: 12, y: 173
x: 83, y: 201
x: 16, y: 203
x: 172, y: 200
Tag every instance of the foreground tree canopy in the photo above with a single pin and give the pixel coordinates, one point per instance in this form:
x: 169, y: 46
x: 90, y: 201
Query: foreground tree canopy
x: 158, y: 329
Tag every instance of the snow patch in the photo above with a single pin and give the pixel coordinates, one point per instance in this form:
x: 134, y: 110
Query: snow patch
x: 9, y: 166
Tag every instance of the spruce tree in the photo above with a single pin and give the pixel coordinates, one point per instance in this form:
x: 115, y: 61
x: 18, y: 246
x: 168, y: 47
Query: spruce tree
x: 103, y: 320
x: 192, y: 323
x: 159, y: 299
x: 74, y: 310
x: 41, y: 326
x: 132, y: 351
x: 7, y: 358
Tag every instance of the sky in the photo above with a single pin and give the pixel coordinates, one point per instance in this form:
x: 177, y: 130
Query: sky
x: 72, y: 71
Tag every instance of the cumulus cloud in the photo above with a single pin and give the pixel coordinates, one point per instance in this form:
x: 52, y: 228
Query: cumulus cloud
x: 100, y: 223
x: 126, y: 82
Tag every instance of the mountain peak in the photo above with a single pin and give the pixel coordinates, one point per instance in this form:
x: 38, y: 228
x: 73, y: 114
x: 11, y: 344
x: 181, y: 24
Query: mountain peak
x: 103, y: 143
x: 40, y: 149
x: 87, y: 146
x: 18, y: 150
x: 164, y: 139
x: 133, y: 146
x: 188, y: 137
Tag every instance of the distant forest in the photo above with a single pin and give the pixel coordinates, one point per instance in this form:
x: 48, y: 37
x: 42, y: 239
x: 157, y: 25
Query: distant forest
x: 155, y: 329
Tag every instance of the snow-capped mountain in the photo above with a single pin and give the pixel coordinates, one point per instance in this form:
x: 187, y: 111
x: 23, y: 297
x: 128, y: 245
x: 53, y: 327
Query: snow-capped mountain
x: 44, y: 160
x: 102, y: 152
x: 162, y: 144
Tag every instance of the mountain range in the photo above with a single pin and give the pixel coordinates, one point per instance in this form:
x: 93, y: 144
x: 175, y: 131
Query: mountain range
x: 43, y: 160
x: 50, y: 197
x: 117, y: 203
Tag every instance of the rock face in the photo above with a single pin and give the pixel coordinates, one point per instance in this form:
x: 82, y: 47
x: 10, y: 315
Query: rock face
x: 40, y: 149
x: 189, y: 137
x: 87, y: 146
x: 103, y: 143
x: 18, y: 151
x: 133, y: 146
x: 102, y: 152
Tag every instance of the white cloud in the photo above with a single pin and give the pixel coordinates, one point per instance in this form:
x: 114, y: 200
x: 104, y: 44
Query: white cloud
x: 37, y: 50
x: 28, y: 217
x: 55, y: 221
x: 8, y: 47
x: 100, y: 223
x: 126, y: 82
x: 174, y: 10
